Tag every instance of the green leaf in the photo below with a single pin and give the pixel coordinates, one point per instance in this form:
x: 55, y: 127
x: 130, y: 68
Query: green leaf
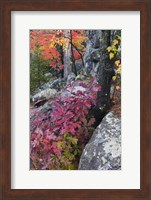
x: 68, y: 155
x: 66, y: 134
x: 52, y: 155
x: 74, y: 140
x: 72, y: 167
x: 59, y: 144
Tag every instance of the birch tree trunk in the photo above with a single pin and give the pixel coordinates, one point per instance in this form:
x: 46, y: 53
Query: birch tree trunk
x: 67, y: 56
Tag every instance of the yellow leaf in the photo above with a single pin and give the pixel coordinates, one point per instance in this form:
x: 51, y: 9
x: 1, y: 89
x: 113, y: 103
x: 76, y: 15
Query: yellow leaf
x: 117, y: 87
x: 119, y: 70
x: 114, y: 78
x: 111, y: 55
x: 51, y: 45
x: 109, y: 49
x: 119, y: 37
x: 41, y: 48
x: 115, y: 42
x: 117, y: 62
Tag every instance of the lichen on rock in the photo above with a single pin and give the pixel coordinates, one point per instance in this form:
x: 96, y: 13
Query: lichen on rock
x: 103, y: 151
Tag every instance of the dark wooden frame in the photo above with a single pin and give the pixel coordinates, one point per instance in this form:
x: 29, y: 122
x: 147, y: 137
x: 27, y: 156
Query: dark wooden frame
x: 6, y: 6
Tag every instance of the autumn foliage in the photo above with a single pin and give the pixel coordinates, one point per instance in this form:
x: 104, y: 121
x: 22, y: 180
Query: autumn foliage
x: 60, y: 129
x: 59, y: 135
x: 51, y: 43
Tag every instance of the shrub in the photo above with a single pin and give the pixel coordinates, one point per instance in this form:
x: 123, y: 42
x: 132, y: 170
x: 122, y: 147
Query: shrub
x: 59, y: 135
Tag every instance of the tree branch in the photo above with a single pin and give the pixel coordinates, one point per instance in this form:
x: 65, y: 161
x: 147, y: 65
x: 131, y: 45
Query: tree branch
x: 78, y: 53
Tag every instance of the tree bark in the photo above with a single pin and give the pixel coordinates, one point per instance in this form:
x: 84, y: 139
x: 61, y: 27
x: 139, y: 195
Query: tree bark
x: 73, y: 60
x: 60, y: 49
x: 105, y: 70
x: 67, y: 57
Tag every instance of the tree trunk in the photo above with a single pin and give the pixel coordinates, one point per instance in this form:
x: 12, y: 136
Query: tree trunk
x: 103, y: 68
x: 67, y: 57
x: 74, y: 70
x: 105, y: 72
x: 60, y: 49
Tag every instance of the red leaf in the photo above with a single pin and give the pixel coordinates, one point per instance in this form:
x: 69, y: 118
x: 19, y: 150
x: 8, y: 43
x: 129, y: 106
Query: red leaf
x: 46, y: 141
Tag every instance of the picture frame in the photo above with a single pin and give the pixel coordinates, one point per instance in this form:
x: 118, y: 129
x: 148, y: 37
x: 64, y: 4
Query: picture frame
x: 6, y: 7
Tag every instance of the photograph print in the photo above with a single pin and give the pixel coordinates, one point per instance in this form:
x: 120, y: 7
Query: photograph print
x: 75, y: 99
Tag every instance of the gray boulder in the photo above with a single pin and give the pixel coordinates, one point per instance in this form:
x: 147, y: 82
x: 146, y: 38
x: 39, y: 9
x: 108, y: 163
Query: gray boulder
x: 70, y: 78
x: 80, y: 77
x: 57, y: 84
x: 47, y: 93
x: 103, y: 151
x: 71, y: 91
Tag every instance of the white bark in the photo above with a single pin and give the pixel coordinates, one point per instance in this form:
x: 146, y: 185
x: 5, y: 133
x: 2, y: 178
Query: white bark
x: 67, y: 55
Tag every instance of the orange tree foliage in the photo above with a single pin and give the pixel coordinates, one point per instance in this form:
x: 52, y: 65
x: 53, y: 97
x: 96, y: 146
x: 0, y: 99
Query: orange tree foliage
x: 48, y: 43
